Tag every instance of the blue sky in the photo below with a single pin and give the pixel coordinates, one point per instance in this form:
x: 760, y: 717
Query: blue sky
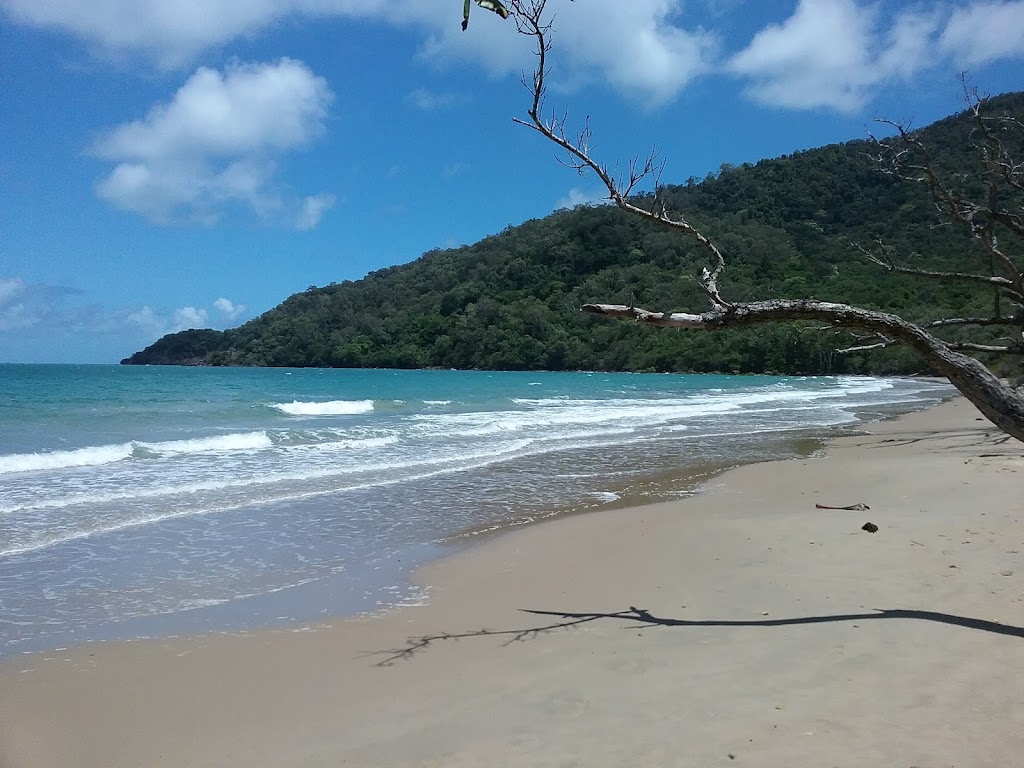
x: 167, y: 164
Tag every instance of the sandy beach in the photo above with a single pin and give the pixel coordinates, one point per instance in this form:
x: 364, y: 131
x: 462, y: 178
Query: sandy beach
x: 741, y: 626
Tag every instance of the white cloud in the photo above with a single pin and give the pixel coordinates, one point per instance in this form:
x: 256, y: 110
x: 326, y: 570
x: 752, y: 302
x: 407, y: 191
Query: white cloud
x: 229, y: 309
x: 25, y: 306
x: 312, y: 210
x: 189, y: 317
x: 214, y: 144
x: 430, y: 101
x: 984, y: 32
x: 153, y: 323
x: 148, y: 321
x: 909, y: 46
x: 172, y: 31
x: 10, y: 289
x: 36, y: 319
x: 830, y: 54
x: 577, y: 196
x: 639, y: 46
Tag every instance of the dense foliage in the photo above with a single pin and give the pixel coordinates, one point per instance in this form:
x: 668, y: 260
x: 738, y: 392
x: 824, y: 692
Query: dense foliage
x: 788, y: 228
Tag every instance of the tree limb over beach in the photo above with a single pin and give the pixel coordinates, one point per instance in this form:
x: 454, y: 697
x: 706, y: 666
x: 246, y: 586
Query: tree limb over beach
x: 992, y: 211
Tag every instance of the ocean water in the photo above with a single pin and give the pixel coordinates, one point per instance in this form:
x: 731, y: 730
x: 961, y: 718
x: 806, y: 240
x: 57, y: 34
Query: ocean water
x: 140, y: 501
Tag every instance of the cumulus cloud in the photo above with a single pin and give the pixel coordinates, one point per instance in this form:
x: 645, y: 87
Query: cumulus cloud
x: 41, y: 309
x: 984, y: 32
x: 215, y: 144
x: 150, y: 324
x: 577, y: 196
x: 835, y: 54
x: 189, y: 317
x: 640, y: 47
x: 229, y: 309
x: 830, y: 54
x: 44, y: 323
x: 155, y: 323
x: 172, y: 31
x: 312, y: 210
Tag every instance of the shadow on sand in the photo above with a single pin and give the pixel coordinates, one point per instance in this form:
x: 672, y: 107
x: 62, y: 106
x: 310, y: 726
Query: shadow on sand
x: 947, y: 439
x: 636, y: 618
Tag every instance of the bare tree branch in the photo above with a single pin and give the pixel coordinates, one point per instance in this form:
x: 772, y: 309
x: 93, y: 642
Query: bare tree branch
x: 907, y: 158
x: 885, y: 260
x: 529, y: 16
x: 1002, y: 283
x: 981, y: 321
x: 883, y: 344
x: 968, y: 346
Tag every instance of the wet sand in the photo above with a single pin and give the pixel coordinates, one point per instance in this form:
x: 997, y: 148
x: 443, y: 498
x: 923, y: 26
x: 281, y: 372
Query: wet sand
x: 738, y: 626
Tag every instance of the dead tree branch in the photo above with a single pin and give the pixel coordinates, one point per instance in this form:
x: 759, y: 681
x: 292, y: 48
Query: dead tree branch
x: 980, y: 321
x: 529, y: 17
x: 907, y: 157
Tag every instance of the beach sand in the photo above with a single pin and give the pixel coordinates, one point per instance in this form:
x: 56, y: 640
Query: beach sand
x: 741, y: 626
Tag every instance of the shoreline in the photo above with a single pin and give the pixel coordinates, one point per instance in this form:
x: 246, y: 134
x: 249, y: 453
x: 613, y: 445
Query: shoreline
x: 737, y: 621
x: 801, y: 442
x: 310, y: 604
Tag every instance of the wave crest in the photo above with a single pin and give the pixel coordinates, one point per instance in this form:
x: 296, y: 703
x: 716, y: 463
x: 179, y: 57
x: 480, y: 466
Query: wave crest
x: 330, y: 408
x: 98, y: 455
x: 81, y: 457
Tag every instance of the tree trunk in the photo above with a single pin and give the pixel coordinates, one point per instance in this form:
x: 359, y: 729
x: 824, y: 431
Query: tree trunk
x: 999, y: 403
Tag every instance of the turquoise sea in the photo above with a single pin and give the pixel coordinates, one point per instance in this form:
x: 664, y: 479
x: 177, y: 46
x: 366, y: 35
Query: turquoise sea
x: 140, y: 501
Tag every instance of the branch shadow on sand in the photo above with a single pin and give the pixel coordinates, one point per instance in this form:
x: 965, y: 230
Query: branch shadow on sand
x: 947, y: 439
x: 638, y: 618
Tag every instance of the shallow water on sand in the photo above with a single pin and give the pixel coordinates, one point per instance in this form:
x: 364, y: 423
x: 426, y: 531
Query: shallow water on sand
x: 141, y: 501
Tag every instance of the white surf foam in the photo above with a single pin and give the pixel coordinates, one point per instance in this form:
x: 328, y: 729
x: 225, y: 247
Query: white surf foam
x: 330, y: 408
x: 241, y: 441
x: 360, y: 444
x: 81, y: 457
x: 98, y: 455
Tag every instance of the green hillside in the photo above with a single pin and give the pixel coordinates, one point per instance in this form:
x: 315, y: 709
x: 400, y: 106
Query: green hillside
x: 511, y: 301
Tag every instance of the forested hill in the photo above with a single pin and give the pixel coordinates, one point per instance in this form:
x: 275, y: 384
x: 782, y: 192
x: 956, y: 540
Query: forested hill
x: 788, y: 228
